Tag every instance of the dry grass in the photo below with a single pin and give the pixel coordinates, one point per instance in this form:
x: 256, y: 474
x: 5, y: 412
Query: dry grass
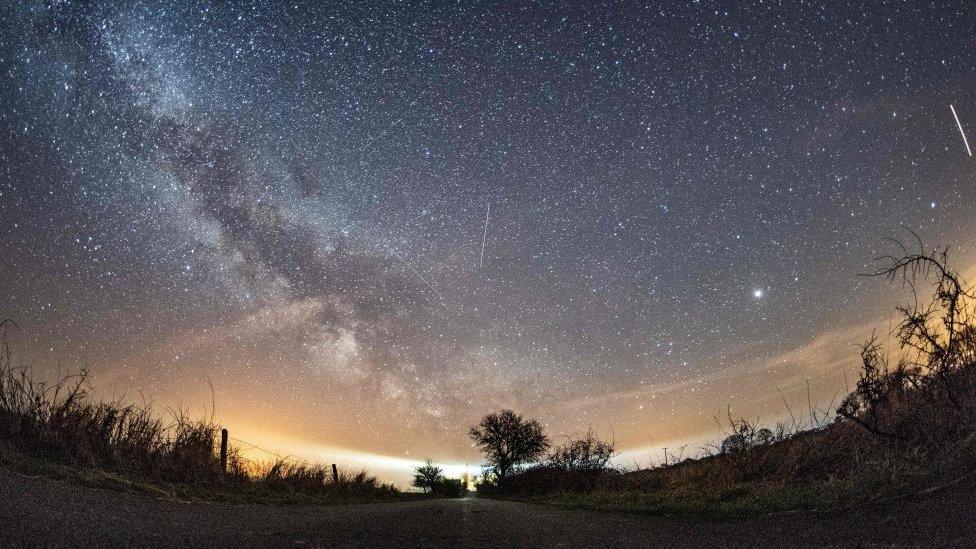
x: 905, y: 425
x: 61, y: 424
x: 835, y: 466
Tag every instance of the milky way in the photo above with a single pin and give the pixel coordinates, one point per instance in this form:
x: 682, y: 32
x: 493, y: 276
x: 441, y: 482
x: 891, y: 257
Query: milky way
x: 367, y: 225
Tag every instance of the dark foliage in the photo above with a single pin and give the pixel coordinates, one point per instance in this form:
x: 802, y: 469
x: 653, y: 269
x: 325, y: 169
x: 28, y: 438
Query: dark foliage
x: 578, y: 465
x: 926, y: 398
x: 904, y: 425
x: 449, y: 488
x: 427, y: 476
x: 508, y: 441
x: 586, y: 453
x: 61, y: 423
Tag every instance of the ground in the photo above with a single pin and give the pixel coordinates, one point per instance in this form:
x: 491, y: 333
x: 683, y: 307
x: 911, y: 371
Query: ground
x: 39, y: 511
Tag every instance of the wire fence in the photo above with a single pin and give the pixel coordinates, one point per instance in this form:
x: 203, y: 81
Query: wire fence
x: 269, y: 452
x: 278, y: 458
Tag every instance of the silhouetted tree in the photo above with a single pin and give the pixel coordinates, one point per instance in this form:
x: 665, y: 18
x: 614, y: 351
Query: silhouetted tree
x: 938, y: 340
x: 587, y: 453
x: 427, y: 476
x: 507, y: 441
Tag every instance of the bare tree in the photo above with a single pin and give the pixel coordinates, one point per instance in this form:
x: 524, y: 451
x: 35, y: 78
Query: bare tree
x: 938, y: 331
x: 508, y: 440
x: 937, y: 335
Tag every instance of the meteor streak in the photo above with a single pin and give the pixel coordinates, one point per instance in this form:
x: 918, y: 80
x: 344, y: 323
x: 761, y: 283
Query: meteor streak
x: 961, y: 132
x: 484, y: 236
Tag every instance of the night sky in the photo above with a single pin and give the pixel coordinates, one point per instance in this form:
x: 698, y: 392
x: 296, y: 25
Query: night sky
x: 289, y: 202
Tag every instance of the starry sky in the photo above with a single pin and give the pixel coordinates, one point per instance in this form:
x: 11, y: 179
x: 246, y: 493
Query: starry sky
x: 367, y: 224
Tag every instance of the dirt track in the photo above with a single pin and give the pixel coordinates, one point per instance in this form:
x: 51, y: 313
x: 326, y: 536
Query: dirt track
x: 42, y: 512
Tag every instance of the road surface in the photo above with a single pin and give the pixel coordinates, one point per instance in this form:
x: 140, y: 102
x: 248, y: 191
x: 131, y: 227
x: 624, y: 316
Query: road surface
x: 41, y: 512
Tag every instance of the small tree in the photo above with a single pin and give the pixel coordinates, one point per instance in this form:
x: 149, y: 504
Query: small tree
x: 427, y: 476
x: 508, y: 440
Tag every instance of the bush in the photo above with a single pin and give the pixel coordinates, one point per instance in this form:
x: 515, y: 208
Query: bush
x: 579, y: 465
x: 745, y: 435
x: 546, y: 479
x: 449, y: 488
x: 586, y: 453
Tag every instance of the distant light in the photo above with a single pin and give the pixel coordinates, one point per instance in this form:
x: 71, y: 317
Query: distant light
x: 933, y: 204
x: 757, y: 293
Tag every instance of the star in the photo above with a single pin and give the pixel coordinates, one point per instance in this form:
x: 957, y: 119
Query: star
x: 396, y: 216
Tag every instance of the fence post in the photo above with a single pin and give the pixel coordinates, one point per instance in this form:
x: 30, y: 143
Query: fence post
x: 223, y: 451
x: 335, y: 474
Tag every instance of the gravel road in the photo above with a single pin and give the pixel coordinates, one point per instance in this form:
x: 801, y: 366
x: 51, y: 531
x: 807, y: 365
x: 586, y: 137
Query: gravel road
x: 41, y: 512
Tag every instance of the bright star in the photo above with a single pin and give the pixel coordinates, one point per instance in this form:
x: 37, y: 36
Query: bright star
x: 757, y: 293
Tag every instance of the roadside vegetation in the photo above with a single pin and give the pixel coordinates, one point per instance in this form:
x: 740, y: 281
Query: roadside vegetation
x: 431, y: 480
x: 907, y: 426
x: 58, y: 429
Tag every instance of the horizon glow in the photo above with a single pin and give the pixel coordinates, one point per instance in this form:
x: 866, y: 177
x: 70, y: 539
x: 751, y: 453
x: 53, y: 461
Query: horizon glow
x: 365, y: 227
